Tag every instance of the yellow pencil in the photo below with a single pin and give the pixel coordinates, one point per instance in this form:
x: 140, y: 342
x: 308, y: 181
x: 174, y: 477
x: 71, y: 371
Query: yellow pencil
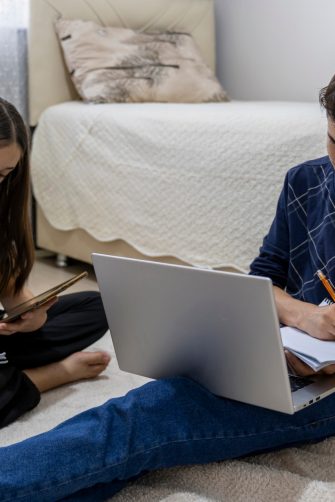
x: 326, y: 284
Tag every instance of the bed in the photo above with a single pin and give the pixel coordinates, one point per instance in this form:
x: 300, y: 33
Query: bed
x: 187, y: 183
x: 49, y: 84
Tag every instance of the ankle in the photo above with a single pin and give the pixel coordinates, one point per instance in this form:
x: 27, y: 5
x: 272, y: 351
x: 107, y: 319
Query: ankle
x: 48, y: 377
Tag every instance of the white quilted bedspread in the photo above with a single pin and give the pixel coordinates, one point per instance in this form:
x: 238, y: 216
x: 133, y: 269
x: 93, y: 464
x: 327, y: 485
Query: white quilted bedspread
x: 196, y: 181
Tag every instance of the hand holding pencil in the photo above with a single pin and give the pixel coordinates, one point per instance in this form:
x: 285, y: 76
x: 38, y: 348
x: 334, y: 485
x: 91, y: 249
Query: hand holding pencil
x: 318, y: 321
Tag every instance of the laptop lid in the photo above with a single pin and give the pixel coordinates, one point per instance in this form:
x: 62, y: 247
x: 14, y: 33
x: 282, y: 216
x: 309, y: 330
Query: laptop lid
x: 218, y: 328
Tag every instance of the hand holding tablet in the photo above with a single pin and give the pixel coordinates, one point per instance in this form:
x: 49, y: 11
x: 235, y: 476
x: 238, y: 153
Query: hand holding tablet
x: 39, y: 300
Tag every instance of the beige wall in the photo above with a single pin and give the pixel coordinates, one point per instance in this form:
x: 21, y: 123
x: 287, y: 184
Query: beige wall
x: 275, y: 49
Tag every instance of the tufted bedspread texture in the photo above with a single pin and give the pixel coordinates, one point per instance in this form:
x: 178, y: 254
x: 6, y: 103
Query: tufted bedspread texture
x: 198, y: 182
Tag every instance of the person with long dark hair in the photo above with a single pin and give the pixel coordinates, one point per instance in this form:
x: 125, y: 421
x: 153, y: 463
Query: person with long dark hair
x: 41, y: 350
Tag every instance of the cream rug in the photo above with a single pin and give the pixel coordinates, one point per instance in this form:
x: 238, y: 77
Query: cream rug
x: 304, y: 474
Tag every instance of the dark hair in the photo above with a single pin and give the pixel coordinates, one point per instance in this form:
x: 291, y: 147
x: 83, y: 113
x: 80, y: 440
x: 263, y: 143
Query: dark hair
x: 327, y: 98
x: 16, y: 249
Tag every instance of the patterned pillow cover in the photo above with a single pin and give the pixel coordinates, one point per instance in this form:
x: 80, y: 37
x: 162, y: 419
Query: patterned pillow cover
x: 120, y: 65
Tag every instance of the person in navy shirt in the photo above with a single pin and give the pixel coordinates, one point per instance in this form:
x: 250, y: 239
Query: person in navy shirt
x: 301, y: 241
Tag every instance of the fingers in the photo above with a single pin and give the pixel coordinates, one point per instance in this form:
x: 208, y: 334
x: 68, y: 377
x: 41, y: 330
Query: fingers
x: 43, y: 308
x: 329, y: 370
x: 27, y: 315
x: 29, y: 321
x: 298, y: 366
x: 11, y: 327
x: 303, y: 369
x: 50, y: 303
x: 7, y: 328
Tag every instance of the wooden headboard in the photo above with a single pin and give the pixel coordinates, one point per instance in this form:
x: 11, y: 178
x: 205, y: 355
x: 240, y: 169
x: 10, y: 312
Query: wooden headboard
x: 49, y: 82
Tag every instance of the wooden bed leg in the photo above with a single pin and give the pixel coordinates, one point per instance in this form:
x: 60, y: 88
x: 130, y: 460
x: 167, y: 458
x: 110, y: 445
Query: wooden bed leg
x: 61, y: 260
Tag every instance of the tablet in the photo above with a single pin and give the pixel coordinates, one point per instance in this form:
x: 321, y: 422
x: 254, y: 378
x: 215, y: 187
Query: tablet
x: 39, y: 300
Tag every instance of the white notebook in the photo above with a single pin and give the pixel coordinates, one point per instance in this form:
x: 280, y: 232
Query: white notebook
x: 316, y: 353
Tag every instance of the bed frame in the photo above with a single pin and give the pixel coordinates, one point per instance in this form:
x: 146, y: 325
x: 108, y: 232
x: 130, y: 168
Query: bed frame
x: 49, y: 83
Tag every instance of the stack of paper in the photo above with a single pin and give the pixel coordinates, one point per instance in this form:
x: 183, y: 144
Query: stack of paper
x: 316, y: 353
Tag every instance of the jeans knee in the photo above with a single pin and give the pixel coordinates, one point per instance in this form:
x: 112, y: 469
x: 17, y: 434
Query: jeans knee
x: 170, y: 391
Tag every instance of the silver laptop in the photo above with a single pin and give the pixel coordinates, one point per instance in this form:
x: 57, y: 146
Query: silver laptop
x: 221, y: 329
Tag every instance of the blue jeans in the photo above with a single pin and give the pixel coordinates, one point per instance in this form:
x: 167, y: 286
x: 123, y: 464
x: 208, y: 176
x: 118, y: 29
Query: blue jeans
x: 161, y: 424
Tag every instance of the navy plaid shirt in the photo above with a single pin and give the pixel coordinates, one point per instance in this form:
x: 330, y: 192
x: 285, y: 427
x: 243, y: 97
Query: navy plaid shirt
x: 301, y: 239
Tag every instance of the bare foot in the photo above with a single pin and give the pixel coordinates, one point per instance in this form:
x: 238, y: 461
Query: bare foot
x: 77, y: 366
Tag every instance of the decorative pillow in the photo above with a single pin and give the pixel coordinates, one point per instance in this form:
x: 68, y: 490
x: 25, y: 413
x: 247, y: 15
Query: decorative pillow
x: 121, y: 65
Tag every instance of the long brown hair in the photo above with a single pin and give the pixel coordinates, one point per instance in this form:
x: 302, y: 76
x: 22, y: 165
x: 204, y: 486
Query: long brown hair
x: 16, y: 248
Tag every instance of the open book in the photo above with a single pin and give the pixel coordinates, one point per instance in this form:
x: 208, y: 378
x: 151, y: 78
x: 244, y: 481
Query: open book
x: 316, y: 353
